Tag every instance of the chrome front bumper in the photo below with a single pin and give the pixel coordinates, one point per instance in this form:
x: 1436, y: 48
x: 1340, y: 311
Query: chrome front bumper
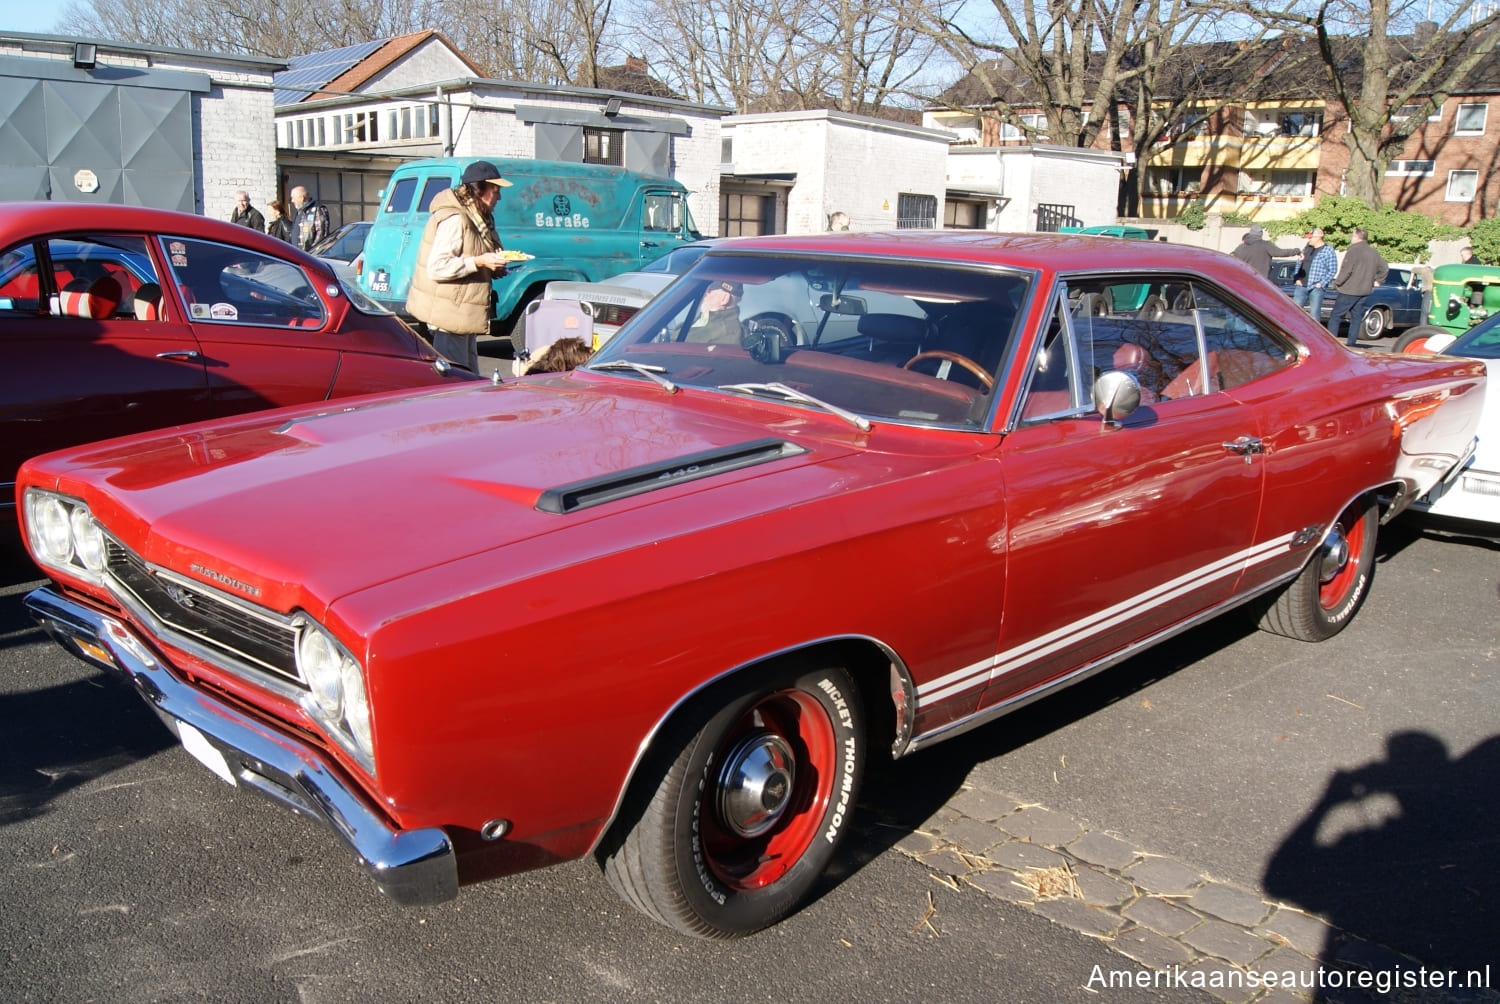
x: 412, y: 867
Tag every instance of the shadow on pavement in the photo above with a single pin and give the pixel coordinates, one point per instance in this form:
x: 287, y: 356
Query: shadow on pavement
x: 1402, y: 850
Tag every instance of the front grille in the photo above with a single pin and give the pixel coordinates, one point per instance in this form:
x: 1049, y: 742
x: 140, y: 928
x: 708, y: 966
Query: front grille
x: 205, y: 617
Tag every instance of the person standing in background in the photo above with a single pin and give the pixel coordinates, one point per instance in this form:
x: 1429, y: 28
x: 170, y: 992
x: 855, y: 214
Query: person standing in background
x: 311, y: 224
x: 1362, y: 268
x: 246, y: 215
x: 280, y: 227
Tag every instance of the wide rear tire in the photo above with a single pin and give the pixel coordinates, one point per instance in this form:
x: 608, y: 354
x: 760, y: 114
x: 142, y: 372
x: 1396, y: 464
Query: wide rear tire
x: 1321, y: 601
x: 730, y: 827
x: 1414, y: 340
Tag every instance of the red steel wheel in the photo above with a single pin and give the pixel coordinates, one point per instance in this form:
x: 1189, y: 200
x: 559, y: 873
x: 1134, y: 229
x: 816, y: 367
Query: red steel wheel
x: 1333, y: 584
x: 731, y: 834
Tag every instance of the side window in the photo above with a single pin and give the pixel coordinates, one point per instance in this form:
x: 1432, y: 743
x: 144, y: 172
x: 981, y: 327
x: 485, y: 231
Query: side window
x: 103, y: 276
x: 1238, y: 349
x: 20, y: 281
x: 430, y: 191
x: 659, y: 212
x: 230, y: 285
x: 1049, y: 391
x: 399, y: 201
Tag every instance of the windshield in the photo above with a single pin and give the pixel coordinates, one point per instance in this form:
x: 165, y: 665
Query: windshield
x: 895, y: 341
x: 1480, y: 342
x: 358, y: 298
x: 676, y: 261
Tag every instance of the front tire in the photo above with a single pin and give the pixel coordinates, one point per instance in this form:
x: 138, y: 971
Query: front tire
x: 1332, y: 587
x: 745, y: 809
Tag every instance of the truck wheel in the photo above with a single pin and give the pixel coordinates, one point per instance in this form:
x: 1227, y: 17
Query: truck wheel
x: 1332, y: 587
x: 733, y: 830
x: 1377, y: 322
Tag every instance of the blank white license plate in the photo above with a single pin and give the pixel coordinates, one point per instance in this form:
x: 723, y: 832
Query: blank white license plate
x: 203, y: 750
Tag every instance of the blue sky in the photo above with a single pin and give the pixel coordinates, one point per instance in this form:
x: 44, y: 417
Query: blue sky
x: 29, y: 15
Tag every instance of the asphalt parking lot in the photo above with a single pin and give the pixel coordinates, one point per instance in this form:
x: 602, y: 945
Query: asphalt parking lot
x: 1351, y: 781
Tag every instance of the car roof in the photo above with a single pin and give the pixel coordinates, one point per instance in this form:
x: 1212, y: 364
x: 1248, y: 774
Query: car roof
x: 1047, y: 252
x: 26, y: 219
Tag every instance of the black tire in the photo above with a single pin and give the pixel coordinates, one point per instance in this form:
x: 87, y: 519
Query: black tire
x: 687, y: 854
x: 1332, y: 587
x: 1411, y: 338
x: 1377, y: 323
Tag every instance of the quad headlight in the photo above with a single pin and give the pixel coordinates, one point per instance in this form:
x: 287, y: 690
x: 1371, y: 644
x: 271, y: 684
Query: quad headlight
x: 64, y: 535
x: 336, y: 687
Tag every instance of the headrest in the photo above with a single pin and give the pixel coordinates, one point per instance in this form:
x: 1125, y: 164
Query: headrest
x: 1129, y: 357
x: 899, y: 328
x: 148, y: 302
x: 97, y: 298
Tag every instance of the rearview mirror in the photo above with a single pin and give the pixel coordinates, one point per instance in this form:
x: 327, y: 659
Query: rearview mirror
x: 831, y: 304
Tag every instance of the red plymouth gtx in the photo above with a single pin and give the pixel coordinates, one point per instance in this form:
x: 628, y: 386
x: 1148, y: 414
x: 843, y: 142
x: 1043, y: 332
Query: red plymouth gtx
x: 824, y: 499
x: 117, y: 319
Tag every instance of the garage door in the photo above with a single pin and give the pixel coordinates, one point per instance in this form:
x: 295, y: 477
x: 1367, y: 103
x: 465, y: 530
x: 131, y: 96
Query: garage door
x: 68, y: 135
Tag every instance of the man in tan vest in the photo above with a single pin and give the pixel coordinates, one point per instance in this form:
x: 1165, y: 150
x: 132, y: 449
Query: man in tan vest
x: 459, y: 254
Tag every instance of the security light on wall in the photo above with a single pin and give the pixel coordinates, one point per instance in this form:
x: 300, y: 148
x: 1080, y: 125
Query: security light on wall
x: 612, y: 107
x: 85, y: 55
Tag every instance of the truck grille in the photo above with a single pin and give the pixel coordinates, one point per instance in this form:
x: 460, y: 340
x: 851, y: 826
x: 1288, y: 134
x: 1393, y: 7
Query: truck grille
x: 198, y: 616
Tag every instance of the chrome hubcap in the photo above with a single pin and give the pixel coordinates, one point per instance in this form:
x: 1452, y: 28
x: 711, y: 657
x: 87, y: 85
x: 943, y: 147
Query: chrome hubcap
x: 755, y: 783
x: 1335, y: 555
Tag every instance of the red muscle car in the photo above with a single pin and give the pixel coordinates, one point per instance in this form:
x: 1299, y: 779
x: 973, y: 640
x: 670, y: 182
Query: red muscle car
x: 117, y: 319
x: 662, y: 610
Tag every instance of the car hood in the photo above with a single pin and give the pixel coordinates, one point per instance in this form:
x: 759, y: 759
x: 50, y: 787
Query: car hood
x: 300, y: 507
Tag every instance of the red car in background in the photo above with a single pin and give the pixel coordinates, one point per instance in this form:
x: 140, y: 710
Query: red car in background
x: 823, y: 499
x: 117, y: 319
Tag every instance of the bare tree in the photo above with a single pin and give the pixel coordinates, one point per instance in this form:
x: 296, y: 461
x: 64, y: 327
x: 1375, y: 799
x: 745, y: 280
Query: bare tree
x: 562, y: 42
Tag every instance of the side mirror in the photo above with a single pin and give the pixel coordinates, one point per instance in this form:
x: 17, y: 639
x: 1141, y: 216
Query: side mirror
x: 1116, y: 395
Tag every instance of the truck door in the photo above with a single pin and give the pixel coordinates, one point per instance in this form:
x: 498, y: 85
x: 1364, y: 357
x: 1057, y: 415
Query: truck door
x: 665, y: 223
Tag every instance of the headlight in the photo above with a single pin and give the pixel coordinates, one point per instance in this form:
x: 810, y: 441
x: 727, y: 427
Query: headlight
x: 336, y: 689
x: 64, y: 535
x: 52, y: 530
x: 88, y: 540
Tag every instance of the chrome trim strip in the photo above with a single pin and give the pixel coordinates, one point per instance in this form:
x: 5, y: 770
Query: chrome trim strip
x: 986, y: 715
x: 1008, y: 661
x: 412, y: 867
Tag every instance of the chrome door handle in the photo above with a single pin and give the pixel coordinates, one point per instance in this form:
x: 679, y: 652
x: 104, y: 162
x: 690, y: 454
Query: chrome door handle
x: 178, y: 354
x: 1245, y: 446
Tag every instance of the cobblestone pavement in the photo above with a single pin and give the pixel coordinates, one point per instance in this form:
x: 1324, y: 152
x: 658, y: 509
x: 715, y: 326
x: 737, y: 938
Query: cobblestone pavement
x: 1162, y: 913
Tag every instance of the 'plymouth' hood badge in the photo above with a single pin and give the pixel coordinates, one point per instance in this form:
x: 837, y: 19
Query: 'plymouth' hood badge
x: 228, y: 581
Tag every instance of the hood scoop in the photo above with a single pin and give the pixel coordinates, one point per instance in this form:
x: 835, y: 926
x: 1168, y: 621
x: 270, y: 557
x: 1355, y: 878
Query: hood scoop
x: 662, y: 474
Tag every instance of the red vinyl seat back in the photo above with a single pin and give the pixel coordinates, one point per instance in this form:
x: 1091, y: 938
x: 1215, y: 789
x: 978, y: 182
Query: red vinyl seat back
x: 97, y: 298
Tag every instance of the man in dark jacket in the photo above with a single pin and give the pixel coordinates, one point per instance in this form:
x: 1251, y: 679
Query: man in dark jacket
x: 1361, y: 269
x: 311, y: 223
x: 1257, y: 252
x: 246, y: 215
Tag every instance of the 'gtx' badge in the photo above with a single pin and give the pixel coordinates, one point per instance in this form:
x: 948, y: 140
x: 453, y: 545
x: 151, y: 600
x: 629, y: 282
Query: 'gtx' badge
x: 181, y: 596
x: 224, y: 580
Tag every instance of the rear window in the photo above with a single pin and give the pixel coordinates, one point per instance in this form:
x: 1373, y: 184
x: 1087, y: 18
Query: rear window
x: 399, y: 200
x: 430, y: 191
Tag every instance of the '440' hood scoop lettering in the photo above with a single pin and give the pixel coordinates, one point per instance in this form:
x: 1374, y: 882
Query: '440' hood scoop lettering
x: 649, y: 477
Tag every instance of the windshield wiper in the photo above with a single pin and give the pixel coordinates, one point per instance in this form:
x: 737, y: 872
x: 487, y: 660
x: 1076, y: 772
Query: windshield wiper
x: 793, y: 394
x: 654, y: 372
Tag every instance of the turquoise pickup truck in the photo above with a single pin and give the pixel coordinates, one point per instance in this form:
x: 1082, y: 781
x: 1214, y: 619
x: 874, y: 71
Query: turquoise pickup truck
x: 580, y: 222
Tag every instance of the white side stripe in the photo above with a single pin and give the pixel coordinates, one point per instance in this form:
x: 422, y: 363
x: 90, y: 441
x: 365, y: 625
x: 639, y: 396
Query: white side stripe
x: 1082, y: 630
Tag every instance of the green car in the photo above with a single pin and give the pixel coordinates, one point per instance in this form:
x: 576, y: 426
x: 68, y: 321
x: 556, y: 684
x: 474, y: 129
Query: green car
x: 1112, y: 230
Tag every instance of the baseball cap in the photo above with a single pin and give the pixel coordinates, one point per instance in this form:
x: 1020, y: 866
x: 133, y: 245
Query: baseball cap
x: 483, y: 170
x: 732, y: 288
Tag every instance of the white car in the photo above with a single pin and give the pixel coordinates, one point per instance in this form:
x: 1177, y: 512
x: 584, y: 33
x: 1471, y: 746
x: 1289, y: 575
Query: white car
x: 1474, y: 494
x: 344, y: 248
x: 616, y: 300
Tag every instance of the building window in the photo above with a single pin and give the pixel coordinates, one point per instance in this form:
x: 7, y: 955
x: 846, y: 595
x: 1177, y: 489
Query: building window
x: 1470, y: 120
x: 1035, y: 121
x: 1410, y: 169
x: 916, y: 211
x: 603, y: 146
x: 1462, y: 186
x: 1407, y: 111
x: 1163, y: 181
x: 1286, y: 184
x: 963, y: 214
x: 1270, y: 122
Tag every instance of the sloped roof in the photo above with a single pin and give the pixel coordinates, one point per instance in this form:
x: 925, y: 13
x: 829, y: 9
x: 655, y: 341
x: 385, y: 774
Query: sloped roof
x: 345, y: 70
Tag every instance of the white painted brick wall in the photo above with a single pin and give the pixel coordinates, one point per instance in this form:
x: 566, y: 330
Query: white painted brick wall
x: 236, y: 148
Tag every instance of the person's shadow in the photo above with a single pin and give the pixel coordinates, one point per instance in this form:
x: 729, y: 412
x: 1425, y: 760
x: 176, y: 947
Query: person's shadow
x: 1402, y: 853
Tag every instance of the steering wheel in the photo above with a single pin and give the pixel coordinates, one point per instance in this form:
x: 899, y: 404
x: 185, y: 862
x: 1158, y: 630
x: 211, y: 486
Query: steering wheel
x: 954, y: 357
x: 768, y: 337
